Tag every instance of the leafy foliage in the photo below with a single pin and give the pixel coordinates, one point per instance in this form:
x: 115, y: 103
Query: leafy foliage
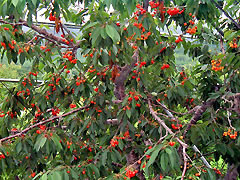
x: 113, y: 102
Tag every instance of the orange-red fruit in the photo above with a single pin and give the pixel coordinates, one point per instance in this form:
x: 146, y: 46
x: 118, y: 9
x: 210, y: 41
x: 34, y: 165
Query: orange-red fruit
x: 138, y: 105
x: 33, y: 174
x: 171, y: 143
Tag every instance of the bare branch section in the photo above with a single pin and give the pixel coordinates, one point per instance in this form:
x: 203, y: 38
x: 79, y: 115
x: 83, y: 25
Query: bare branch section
x: 169, y: 110
x: 119, y: 90
x: 198, y: 114
x: 235, y: 102
x: 45, y: 33
x: 41, y: 123
x: 146, y: 4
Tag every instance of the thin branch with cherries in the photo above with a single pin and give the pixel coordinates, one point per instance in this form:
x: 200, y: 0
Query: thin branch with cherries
x: 162, y: 123
x: 42, y: 122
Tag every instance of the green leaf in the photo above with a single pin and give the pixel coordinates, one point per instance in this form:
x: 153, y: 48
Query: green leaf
x: 56, y: 139
x: 221, y: 148
x: 95, y: 35
x: 95, y: 169
x: 15, y: 2
x: 74, y: 174
x: 168, y: 150
x: 40, y: 142
x: 56, y: 175
x: 211, y: 174
x: 19, y: 147
x: 89, y: 25
x: 164, y: 161
x: 128, y: 112
x: 44, y: 177
x: 103, y: 33
x: 112, y: 33
x: 172, y: 160
x: 65, y: 175
x: 104, y: 158
x: 120, y: 144
x: 154, y: 154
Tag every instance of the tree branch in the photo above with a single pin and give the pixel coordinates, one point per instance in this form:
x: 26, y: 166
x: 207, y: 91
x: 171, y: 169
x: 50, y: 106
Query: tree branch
x: 198, y: 114
x: 184, y: 146
x: 162, y: 123
x: 68, y: 31
x: 226, y: 14
x: 119, y: 90
x: 41, y: 123
x: 45, y: 33
x: 146, y: 4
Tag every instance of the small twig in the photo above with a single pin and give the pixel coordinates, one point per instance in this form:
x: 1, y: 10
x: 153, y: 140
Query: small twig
x: 197, y: 168
x: 161, y: 114
x: 185, y: 163
x: 44, y: 37
x: 182, y: 114
x: 117, y: 164
x: 229, y: 121
x: 169, y: 31
x: 68, y: 31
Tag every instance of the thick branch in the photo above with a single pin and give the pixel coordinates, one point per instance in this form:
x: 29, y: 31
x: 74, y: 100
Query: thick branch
x: 226, y: 14
x: 146, y: 4
x: 198, y: 114
x: 45, y: 33
x: 235, y: 102
x: 232, y: 172
x: 119, y: 90
x: 41, y: 123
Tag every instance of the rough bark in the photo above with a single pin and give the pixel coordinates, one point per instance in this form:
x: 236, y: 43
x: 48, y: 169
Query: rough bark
x: 232, y: 172
x: 119, y: 90
x: 198, y: 115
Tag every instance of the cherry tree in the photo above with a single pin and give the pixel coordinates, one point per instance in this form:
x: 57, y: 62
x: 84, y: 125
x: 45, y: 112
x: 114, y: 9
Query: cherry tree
x: 108, y: 101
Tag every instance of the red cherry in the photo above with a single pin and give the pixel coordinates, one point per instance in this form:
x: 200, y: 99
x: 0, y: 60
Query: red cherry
x: 136, y: 98
x: 138, y: 105
x: 171, y: 143
x: 130, y: 99
x: 33, y: 174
